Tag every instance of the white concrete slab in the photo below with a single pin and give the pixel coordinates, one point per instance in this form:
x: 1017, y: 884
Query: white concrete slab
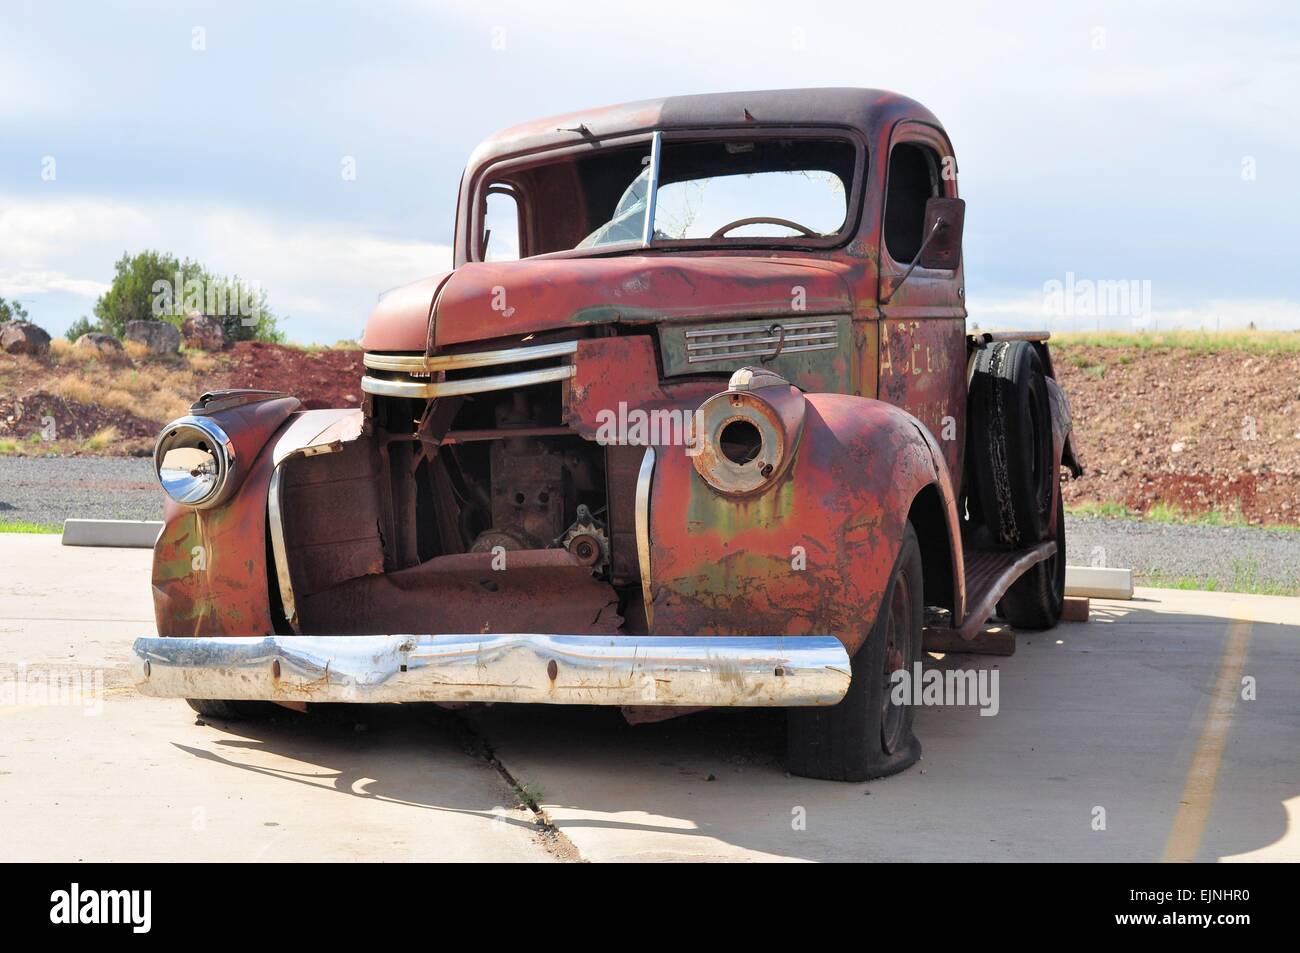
x: 1099, y: 582
x: 136, y: 534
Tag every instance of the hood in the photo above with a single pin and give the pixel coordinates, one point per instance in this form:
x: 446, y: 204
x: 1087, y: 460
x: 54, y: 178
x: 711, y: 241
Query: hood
x: 486, y: 300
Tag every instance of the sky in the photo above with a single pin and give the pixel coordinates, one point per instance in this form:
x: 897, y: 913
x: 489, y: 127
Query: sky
x: 1148, y: 143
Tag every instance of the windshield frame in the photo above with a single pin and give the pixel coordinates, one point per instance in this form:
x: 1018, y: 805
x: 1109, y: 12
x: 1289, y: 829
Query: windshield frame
x: 488, y: 175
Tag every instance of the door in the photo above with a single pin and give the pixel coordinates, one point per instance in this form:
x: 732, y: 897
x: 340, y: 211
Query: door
x: 922, y: 344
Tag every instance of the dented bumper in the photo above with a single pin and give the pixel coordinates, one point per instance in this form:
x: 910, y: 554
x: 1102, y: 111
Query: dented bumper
x: 555, y: 669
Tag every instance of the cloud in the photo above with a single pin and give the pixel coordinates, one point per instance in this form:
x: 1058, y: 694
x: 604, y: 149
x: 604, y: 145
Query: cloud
x: 16, y: 284
x: 1107, y: 140
x: 323, y: 276
x: 1146, y: 311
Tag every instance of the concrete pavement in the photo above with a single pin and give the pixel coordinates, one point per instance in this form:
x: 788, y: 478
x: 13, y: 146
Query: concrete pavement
x: 133, y: 778
x: 1102, y: 722
x: 1126, y: 738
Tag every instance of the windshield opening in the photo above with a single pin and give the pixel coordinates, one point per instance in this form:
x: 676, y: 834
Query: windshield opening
x: 749, y: 189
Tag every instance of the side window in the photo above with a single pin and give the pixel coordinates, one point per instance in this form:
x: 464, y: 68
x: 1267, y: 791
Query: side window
x: 913, y: 178
x: 501, y: 224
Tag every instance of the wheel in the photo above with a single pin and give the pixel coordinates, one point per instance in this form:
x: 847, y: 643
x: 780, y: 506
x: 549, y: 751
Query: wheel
x: 1036, y: 599
x: 867, y: 735
x: 1010, y: 443
x: 230, y: 710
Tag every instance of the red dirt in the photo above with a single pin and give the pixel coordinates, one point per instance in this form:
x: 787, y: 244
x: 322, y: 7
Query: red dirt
x: 325, y: 378
x: 1198, y: 431
x: 329, y: 378
x: 71, y: 420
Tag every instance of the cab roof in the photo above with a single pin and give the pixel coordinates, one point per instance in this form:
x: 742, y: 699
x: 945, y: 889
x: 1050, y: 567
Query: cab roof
x: 867, y: 110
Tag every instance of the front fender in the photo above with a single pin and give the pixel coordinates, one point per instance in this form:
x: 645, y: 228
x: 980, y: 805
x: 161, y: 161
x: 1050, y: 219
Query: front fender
x: 210, y: 574
x: 814, y: 552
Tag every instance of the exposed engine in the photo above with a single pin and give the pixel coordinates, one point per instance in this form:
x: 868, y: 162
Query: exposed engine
x: 502, y: 475
x: 410, y: 526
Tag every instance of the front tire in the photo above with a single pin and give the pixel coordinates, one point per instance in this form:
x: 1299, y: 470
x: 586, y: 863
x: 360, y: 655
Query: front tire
x: 866, y: 735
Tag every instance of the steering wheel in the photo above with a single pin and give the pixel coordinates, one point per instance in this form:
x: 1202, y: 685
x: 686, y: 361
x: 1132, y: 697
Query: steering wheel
x: 763, y: 219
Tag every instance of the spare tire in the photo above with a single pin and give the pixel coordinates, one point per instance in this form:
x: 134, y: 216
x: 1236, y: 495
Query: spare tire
x: 1010, y: 443
x: 1036, y: 599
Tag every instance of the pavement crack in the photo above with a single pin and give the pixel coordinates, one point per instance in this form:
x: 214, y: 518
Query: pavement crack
x: 552, y: 839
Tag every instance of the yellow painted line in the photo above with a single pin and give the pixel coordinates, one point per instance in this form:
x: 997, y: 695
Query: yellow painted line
x: 1198, y: 789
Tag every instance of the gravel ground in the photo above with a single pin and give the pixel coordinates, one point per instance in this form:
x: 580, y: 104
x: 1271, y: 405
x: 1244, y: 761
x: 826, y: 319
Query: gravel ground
x: 1236, y: 558
x: 50, y: 490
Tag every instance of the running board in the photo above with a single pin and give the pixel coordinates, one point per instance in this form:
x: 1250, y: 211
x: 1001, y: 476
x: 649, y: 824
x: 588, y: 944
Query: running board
x: 989, y: 574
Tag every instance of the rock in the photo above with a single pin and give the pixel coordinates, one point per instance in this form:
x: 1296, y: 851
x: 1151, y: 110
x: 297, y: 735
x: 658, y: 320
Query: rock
x: 158, y: 336
x: 23, y: 337
x: 105, y: 344
x: 204, y: 332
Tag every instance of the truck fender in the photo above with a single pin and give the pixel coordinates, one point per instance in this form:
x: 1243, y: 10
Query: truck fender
x: 210, y: 574
x: 812, y: 553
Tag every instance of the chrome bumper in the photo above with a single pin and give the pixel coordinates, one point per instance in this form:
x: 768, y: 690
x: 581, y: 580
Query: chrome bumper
x: 555, y: 669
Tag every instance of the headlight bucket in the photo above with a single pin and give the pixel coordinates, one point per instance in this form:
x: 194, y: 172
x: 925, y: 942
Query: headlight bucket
x: 750, y: 432
x: 194, y: 461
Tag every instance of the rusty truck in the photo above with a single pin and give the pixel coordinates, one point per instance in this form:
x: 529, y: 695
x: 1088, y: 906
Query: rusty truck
x: 693, y: 421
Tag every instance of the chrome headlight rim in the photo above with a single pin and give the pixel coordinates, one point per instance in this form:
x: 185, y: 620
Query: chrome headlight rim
x: 219, y: 446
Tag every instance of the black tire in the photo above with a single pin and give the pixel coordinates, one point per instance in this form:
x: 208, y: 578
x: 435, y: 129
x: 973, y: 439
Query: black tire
x: 230, y: 710
x: 1010, y: 443
x: 1036, y: 599
x: 866, y: 736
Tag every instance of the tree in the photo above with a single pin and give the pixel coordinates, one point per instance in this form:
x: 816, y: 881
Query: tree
x: 156, y: 286
x: 12, y: 311
x: 83, y: 325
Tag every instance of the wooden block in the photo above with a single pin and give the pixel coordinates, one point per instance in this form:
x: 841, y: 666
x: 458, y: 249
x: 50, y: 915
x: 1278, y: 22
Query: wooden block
x: 1075, y: 609
x: 999, y: 640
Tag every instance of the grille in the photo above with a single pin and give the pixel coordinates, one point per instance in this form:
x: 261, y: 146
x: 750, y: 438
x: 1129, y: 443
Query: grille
x: 414, y: 375
x: 724, y: 344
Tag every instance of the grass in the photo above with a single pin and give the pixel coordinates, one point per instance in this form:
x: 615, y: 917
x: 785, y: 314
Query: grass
x: 1244, y: 583
x: 153, y: 392
x: 1167, y: 513
x: 1209, y: 342
x: 103, y: 438
x: 136, y: 350
x: 22, y: 526
x: 1086, y: 364
x: 1104, y: 510
x: 531, y: 793
x: 341, y: 345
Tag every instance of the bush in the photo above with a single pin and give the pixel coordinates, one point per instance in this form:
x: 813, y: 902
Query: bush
x: 12, y: 311
x: 83, y: 325
x: 157, y: 286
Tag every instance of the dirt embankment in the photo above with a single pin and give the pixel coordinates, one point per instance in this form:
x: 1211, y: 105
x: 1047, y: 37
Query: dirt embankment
x: 1194, y: 430
x: 72, y: 404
